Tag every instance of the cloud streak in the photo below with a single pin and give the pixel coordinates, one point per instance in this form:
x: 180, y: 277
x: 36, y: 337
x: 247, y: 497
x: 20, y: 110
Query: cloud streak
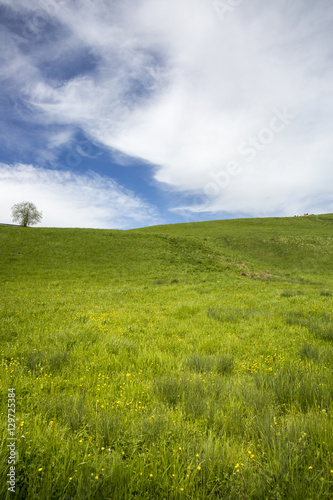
x: 73, y: 200
x: 183, y: 87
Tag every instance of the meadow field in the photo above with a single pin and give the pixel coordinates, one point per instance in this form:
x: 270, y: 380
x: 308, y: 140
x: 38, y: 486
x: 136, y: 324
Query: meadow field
x: 189, y: 361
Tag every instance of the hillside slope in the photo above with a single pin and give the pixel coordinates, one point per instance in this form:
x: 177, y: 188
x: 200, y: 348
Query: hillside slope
x: 182, y: 361
x: 285, y: 245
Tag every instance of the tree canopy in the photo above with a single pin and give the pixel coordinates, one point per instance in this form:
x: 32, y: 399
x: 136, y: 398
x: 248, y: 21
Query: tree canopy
x: 26, y: 214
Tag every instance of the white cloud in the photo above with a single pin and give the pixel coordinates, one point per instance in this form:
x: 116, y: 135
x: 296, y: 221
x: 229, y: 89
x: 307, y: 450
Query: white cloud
x: 177, y: 86
x: 71, y: 200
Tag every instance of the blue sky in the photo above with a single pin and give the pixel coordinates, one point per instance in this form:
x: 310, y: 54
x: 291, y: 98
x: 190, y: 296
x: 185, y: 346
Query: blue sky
x: 122, y: 114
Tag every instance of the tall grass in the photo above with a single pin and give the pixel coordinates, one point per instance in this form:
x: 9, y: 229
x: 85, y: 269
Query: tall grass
x: 149, y: 365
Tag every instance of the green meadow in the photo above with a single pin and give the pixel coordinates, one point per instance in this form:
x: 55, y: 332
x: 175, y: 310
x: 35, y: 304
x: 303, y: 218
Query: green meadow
x: 189, y: 361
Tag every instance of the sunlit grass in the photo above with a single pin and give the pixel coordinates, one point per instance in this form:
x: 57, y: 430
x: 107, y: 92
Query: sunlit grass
x: 174, y: 362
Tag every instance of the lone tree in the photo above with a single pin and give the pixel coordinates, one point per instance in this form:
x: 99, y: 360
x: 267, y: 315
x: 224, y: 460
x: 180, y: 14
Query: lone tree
x: 26, y: 214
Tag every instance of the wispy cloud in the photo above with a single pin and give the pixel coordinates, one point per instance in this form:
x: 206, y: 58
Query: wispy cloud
x: 71, y: 200
x: 182, y: 87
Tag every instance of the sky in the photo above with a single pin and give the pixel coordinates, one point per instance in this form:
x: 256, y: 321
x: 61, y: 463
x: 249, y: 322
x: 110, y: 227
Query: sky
x: 120, y: 114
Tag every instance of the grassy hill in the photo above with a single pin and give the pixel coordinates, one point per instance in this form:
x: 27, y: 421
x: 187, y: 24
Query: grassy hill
x: 181, y: 361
